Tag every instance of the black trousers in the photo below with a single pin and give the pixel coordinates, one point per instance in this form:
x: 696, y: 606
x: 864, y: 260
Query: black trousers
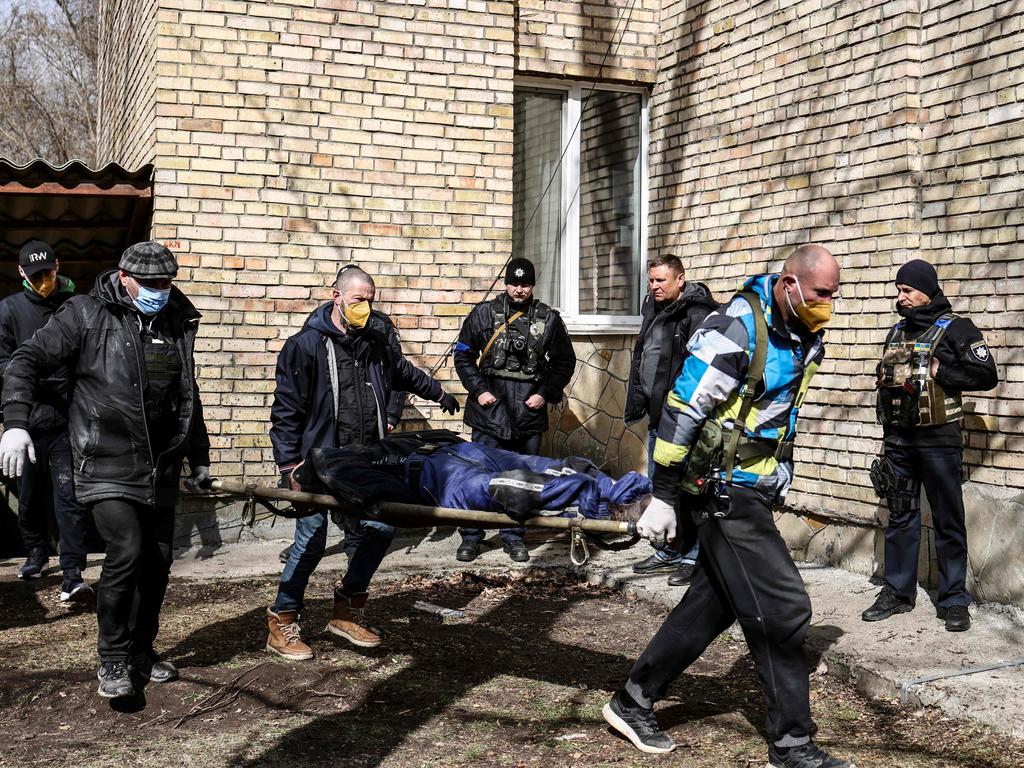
x: 135, y: 572
x: 49, y: 483
x: 937, y: 468
x: 528, y: 445
x: 743, y: 572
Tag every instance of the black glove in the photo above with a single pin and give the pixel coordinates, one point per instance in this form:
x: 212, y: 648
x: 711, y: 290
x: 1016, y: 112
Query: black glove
x: 288, y: 481
x: 200, y: 480
x: 449, y: 404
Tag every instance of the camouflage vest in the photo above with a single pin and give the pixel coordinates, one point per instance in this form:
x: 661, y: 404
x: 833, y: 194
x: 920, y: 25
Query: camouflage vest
x: 908, y: 396
x: 518, y: 349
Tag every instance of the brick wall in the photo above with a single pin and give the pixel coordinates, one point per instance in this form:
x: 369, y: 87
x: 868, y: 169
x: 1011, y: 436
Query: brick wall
x: 295, y: 137
x: 874, y: 128
x: 126, y: 75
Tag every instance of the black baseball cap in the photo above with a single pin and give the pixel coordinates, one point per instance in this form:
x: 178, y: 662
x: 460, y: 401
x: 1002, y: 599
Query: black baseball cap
x: 35, y: 256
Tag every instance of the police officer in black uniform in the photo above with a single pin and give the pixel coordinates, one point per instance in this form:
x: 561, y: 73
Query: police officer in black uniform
x: 513, y: 356
x: 930, y: 356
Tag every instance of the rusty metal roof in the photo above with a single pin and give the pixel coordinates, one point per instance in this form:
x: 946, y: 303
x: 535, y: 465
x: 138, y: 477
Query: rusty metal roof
x: 88, y: 216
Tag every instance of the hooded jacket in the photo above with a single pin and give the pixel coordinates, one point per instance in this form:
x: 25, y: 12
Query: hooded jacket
x: 306, y: 411
x: 965, y: 364
x: 21, y: 315
x: 509, y: 418
x: 97, y: 338
x: 670, y: 327
x: 713, y: 379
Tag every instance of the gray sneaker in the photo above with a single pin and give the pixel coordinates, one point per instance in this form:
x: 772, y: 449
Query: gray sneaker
x: 151, y: 667
x: 115, y: 680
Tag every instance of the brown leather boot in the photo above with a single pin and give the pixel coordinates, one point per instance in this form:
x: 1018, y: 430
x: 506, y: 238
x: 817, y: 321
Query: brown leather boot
x: 284, y: 639
x: 348, y: 621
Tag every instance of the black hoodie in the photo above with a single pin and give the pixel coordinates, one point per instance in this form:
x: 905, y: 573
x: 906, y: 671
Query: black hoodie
x: 965, y: 364
x: 21, y: 315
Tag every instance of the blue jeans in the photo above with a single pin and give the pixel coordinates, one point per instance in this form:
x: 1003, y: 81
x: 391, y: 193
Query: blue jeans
x: 666, y: 552
x: 366, y: 543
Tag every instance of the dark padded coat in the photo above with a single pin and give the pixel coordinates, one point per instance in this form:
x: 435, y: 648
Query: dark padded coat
x: 676, y: 324
x: 96, y: 337
x: 302, y: 417
x: 509, y: 418
x: 21, y: 315
x: 965, y: 364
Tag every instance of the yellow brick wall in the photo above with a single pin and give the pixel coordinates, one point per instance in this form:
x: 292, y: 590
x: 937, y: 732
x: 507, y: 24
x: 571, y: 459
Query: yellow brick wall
x: 880, y: 131
x: 126, y: 77
x: 606, y: 39
x: 295, y: 137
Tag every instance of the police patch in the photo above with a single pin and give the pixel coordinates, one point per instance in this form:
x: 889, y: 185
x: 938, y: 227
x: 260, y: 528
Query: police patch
x: 979, y: 350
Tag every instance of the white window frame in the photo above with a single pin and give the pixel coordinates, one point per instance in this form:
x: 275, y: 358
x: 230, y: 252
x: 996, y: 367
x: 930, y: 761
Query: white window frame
x: 568, y: 301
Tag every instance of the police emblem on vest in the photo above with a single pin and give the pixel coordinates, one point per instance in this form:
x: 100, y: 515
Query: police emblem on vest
x: 908, y: 396
x: 518, y: 348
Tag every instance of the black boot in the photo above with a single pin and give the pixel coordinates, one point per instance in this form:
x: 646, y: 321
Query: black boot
x: 468, y: 551
x: 887, y: 604
x: 34, y: 564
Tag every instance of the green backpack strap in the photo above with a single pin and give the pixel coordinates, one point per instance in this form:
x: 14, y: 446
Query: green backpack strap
x: 755, y: 371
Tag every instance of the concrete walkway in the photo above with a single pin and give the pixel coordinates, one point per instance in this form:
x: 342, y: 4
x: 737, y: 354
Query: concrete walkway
x: 887, y: 659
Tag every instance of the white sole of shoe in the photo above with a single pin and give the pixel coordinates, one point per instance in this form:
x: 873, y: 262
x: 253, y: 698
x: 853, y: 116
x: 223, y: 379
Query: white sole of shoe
x: 81, y: 595
x: 105, y: 695
x: 361, y: 643
x: 619, y: 725
x: 291, y: 656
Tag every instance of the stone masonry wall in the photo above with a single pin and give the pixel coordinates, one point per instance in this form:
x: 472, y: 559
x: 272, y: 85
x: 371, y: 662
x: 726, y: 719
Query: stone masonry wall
x: 126, y: 76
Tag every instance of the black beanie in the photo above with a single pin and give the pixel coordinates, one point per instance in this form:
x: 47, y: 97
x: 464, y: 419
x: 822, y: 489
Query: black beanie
x: 520, y: 272
x: 919, y: 274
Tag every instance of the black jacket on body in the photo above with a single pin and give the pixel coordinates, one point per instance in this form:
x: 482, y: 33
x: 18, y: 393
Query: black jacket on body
x: 674, y: 325
x: 21, y: 315
x: 305, y: 416
x: 97, y: 338
x: 965, y: 364
x: 509, y: 418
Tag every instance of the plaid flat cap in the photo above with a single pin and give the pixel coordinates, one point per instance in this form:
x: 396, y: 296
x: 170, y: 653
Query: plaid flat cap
x: 148, y: 259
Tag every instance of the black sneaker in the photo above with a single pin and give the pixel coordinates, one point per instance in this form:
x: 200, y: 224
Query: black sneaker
x: 805, y: 756
x: 151, y: 667
x: 637, y: 724
x: 517, y: 550
x: 653, y: 564
x: 34, y: 564
x: 681, y: 575
x: 887, y: 604
x: 468, y: 551
x: 958, y: 618
x: 115, y: 680
x: 74, y: 590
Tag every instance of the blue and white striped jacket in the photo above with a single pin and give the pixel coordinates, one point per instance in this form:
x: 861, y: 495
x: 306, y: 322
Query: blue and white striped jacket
x: 712, y: 381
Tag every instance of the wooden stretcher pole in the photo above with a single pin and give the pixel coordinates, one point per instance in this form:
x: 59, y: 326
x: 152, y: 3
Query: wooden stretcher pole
x: 420, y: 514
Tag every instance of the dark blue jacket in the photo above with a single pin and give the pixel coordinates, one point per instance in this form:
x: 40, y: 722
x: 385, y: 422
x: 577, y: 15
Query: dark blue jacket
x: 303, y: 417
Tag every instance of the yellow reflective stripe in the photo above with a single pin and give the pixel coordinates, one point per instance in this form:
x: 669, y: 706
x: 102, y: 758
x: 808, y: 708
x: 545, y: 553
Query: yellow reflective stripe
x: 668, y: 454
x: 759, y: 465
x: 805, y: 383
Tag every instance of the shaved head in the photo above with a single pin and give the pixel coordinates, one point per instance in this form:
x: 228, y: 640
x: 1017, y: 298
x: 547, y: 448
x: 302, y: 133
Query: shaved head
x: 351, y: 275
x: 810, y: 274
x: 808, y: 259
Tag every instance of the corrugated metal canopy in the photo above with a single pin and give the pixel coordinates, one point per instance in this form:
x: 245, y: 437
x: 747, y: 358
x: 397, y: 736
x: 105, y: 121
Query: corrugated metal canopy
x: 88, y: 216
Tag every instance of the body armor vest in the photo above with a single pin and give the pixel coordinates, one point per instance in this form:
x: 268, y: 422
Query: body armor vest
x: 908, y: 396
x: 162, y: 394
x: 518, y: 348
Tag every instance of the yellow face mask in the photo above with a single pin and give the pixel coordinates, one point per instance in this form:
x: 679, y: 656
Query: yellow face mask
x: 44, y: 282
x: 813, y: 314
x: 357, y: 314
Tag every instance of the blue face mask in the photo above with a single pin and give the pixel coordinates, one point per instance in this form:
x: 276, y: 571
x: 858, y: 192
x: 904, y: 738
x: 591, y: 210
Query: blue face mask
x: 150, y: 300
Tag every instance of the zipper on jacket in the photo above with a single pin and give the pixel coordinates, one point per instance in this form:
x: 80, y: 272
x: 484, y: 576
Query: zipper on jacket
x: 142, y: 400
x: 357, y: 385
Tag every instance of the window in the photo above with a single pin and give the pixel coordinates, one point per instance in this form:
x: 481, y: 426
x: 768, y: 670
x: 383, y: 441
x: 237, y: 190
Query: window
x: 580, y: 198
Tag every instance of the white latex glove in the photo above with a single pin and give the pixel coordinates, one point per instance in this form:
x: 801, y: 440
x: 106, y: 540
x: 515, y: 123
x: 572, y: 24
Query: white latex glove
x: 658, y: 522
x: 14, y: 445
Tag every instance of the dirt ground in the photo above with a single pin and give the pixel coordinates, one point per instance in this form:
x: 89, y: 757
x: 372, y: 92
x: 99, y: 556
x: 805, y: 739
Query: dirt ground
x: 520, y: 681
